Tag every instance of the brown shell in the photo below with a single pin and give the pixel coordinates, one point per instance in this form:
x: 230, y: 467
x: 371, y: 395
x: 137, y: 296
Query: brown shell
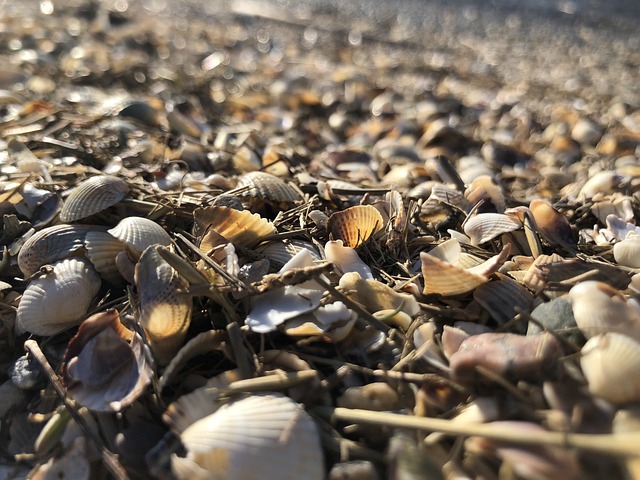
x: 267, y: 187
x: 242, y: 228
x: 355, y: 225
x: 552, y: 225
x: 93, y: 196
x: 503, y: 298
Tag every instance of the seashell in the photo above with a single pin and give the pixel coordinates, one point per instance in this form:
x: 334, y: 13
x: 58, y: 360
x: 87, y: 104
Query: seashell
x: 354, y: 470
x: 534, y: 279
x: 616, y: 205
x: 376, y: 396
x: 601, y: 182
x: 375, y: 296
x: 280, y: 252
x: 619, y: 228
x: 266, y: 434
x: 355, y: 225
x: 242, y: 228
x: 138, y: 233
x: 553, y: 226
x: 165, y: 307
x: 484, y: 227
x: 332, y: 321
x: 443, y: 278
x: 345, y: 259
x: 102, y: 250
x: 503, y: 298
x: 52, y: 244
x: 627, y: 252
x: 586, y: 132
x: 600, y: 308
x: 267, y: 187
x: 105, y: 367
x: 483, y: 188
x: 58, y: 299
x: 93, y: 196
x: 610, y: 363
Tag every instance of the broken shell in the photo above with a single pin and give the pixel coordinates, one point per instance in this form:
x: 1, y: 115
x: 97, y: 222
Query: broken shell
x: 486, y: 226
x: 105, y: 367
x: 355, y: 225
x: 138, y: 233
x: 58, y: 299
x: 165, y: 306
x: 52, y: 244
x: 266, y: 434
x: 92, y: 196
x: 610, y: 363
x: 483, y: 188
x: 627, y: 252
x: 503, y: 299
x: 375, y: 296
x: 376, y: 396
x: 345, y: 259
x: 619, y: 228
x: 443, y: 278
x: 102, y: 250
x: 242, y: 228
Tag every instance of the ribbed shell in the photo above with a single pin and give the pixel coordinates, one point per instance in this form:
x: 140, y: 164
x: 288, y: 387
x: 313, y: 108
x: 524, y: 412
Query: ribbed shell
x: 268, y: 187
x: 486, y: 226
x: 503, y: 299
x: 242, y: 228
x: 263, y: 436
x: 280, y: 252
x: 92, y: 196
x: 355, y: 225
x: 138, y: 233
x: 611, y: 363
x: 102, y: 250
x: 165, y: 312
x: 442, y: 278
x: 52, y: 244
x: 58, y: 300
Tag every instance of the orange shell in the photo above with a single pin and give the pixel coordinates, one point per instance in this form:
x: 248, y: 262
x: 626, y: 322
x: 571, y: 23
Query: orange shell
x: 355, y: 225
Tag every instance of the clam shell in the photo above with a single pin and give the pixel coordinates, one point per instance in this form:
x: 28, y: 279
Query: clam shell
x: 262, y: 436
x: 242, y: 228
x: 553, y: 226
x: 345, y: 259
x: 442, y: 278
x: 102, y: 250
x: 281, y: 251
x: 484, y: 227
x: 627, y: 252
x: 484, y: 188
x: 610, y: 363
x: 138, y: 233
x: 59, y: 299
x: 620, y: 228
x: 268, y: 187
x: 165, y: 308
x: 92, y: 196
x: 503, y: 298
x: 355, y: 225
x: 52, y: 244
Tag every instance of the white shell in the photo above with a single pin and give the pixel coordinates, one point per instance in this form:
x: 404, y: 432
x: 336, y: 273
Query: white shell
x: 58, y: 300
x: 260, y: 437
x: 619, y: 228
x: 280, y: 252
x: 346, y: 259
x: 92, y: 196
x: 138, y: 233
x: 610, y: 363
x: 102, y: 250
x: 627, y: 252
x: 486, y: 226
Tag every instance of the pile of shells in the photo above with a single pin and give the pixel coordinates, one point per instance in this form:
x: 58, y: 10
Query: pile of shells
x: 247, y: 267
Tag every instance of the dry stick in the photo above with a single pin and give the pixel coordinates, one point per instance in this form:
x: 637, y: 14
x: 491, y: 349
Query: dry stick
x: 109, y: 458
x: 615, y: 444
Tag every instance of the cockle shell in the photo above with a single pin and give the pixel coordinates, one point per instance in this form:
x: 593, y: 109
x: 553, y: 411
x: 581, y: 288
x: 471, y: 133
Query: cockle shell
x: 105, y: 367
x: 443, y: 278
x: 355, y: 225
x: 267, y: 187
x: 102, y: 250
x: 165, y: 306
x: 58, y: 300
x: 483, y: 188
x: 52, y: 244
x: 138, y: 233
x: 503, y: 298
x: 262, y: 436
x: 92, y: 196
x: 611, y: 362
x: 242, y: 228
x: 484, y: 227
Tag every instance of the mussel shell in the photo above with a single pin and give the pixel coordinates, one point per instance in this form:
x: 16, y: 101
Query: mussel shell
x: 138, y: 233
x: 92, y: 196
x: 59, y: 299
x: 355, y: 225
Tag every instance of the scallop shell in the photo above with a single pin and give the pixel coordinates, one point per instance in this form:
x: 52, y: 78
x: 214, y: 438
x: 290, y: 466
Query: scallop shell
x: 165, y: 307
x: 442, y: 278
x: 355, y: 225
x: 627, y: 252
x: 268, y: 187
x: 610, y: 363
x: 52, y: 244
x: 484, y: 227
x: 102, y: 250
x: 262, y: 436
x: 92, y: 196
x: 138, y: 233
x: 242, y: 228
x: 58, y: 299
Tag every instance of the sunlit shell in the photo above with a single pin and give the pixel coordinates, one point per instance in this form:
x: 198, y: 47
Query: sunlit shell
x: 346, y: 259
x: 165, y: 307
x: 267, y: 187
x: 484, y: 227
x: 553, y: 226
x: 611, y: 362
x: 627, y: 252
x: 92, y: 196
x: 355, y: 225
x: 443, y: 278
x: 52, y: 244
x: 375, y: 296
x: 599, y: 308
x: 242, y: 228
x: 483, y: 188
x: 616, y: 204
x: 601, y: 182
x: 59, y: 299
x: 262, y: 436
x: 105, y: 367
x: 102, y: 250
x: 533, y: 278
x: 138, y: 233
x: 280, y: 252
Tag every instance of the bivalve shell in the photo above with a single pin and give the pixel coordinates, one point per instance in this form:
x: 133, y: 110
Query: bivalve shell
x: 138, y: 233
x: 268, y: 187
x: 486, y: 226
x: 102, y: 250
x: 93, y: 196
x: 242, y: 228
x: 355, y: 225
x: 443, y: 278
x: 262, y: 436
x: 627, y: 252
x: 58, y: 299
